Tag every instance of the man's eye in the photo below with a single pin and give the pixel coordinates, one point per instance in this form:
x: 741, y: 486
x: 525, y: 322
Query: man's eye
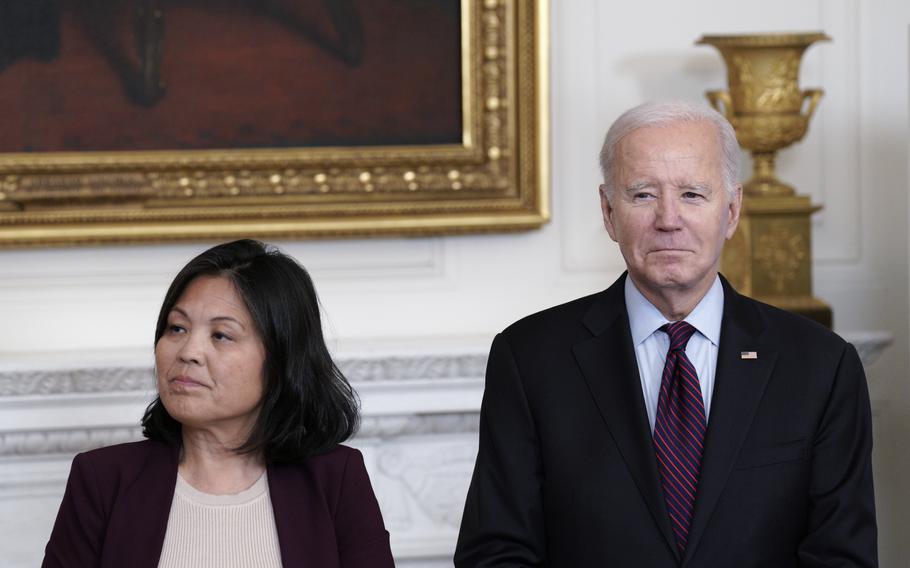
x: 691, y: 195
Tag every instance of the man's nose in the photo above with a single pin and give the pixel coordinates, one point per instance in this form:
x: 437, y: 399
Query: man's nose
x: 667, y: 214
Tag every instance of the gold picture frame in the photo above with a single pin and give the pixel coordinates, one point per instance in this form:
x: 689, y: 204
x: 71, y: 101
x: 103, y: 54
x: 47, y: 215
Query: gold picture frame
x: 495, y: 180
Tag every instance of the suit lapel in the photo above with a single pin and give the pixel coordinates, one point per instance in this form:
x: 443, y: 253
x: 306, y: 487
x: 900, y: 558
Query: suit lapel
x: 608, y: 363
x: 738, y: 387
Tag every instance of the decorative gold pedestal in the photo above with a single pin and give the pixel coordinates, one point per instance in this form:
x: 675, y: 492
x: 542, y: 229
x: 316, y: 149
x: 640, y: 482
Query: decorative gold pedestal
x: 770, y: 256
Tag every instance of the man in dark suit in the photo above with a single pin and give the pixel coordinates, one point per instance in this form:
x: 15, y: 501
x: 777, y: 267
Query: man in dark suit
x: 669, y: 421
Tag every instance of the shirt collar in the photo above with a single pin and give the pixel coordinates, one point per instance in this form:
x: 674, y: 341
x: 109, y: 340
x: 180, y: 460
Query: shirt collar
x: 645, y: 319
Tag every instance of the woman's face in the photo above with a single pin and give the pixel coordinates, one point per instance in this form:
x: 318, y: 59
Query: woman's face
x: 210, y: 360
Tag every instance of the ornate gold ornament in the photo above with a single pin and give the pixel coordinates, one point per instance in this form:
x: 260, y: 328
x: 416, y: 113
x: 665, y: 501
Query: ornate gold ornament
x: 764, y: 103
x: 770, y: 256
x: 496, y: 179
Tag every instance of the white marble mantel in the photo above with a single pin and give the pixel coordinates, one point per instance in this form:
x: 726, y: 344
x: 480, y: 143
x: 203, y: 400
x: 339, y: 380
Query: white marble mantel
x: 420, y: 403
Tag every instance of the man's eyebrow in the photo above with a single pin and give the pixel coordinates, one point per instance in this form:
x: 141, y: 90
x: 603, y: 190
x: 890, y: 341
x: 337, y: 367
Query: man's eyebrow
x: 696, y: 186
x: 638, y: 186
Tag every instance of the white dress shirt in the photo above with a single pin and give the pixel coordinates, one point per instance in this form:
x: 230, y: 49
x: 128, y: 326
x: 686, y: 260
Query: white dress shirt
x: 651, y: 344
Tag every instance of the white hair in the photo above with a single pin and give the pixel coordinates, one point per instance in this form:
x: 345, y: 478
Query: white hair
x: 664, y: 114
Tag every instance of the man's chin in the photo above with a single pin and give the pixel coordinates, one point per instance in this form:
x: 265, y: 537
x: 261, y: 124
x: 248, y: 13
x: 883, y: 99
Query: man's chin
x: 669, y: 277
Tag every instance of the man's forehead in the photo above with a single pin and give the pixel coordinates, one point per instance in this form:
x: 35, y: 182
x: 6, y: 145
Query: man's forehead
x: 687, y: 143
x: 698, y: 135
x: 634, y: 157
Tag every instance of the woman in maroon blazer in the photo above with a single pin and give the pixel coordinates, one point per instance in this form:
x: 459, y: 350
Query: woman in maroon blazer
x: 242, y: 465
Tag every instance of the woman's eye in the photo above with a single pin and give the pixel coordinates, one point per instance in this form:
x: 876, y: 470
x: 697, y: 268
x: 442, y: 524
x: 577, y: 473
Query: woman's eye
x: 174, y: 328
x: 218, y: 336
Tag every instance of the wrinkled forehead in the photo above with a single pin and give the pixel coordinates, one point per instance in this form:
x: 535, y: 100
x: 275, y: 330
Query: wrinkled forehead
x: 679, y: 151
x: 693, y: 137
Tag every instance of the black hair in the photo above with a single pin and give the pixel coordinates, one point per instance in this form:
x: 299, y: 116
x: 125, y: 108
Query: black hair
x: 308, y: 407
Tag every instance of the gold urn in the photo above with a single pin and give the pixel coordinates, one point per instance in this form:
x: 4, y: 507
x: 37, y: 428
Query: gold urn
x: 770, y: 257
x: 764, y: 104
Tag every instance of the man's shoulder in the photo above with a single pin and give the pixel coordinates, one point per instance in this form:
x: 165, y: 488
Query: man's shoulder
x: 562, y: 318
x: 788, y: 328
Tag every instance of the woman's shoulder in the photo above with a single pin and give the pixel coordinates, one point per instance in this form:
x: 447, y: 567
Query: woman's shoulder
x: 333, y: 463
x: 336, y: 477
x: 128, y: 451
x: 123, y: 459
x: 327, y: 468
x: 339, y: 455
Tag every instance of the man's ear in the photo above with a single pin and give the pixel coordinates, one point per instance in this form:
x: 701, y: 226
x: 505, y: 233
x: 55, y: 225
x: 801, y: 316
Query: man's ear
x: 736, y: 206
x: 607, y: 210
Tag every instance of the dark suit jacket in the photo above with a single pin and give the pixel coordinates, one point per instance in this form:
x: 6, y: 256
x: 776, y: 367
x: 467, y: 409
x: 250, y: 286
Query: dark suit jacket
x: 566, y: 473
x: 117, y: 501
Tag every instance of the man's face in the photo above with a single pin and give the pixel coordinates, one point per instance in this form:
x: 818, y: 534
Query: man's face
x: 669, y: 210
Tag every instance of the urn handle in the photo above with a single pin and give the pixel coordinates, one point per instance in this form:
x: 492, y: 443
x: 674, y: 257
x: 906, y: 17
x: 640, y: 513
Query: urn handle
x: 718, y: 97
x: 814, y: 95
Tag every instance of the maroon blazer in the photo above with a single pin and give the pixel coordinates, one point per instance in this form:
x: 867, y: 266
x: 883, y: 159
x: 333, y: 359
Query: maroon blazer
x: 118, y: 499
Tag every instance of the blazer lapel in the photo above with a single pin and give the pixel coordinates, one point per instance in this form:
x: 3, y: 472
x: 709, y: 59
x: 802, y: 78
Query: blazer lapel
x: 608, y: 363
x: 300, y: 541
x: 146, y: 506
x: 738, y: 387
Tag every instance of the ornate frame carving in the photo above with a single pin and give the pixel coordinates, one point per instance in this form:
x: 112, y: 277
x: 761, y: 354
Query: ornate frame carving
x: 495, y: 180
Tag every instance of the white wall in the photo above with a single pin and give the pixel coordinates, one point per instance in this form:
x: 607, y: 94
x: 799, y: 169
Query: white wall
x: 393, y: 295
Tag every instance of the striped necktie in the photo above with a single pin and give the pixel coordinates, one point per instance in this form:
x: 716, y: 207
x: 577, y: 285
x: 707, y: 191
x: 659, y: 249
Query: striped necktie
x: 679, y: 431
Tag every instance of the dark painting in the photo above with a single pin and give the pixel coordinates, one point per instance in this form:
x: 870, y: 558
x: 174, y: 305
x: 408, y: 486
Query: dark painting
x: 111, y: 75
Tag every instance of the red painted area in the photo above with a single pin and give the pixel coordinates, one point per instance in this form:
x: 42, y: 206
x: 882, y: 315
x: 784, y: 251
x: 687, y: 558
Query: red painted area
x: 238, y: 78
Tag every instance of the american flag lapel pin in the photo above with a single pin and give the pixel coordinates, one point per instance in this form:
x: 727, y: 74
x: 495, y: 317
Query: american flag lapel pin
x: 748, y: 354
